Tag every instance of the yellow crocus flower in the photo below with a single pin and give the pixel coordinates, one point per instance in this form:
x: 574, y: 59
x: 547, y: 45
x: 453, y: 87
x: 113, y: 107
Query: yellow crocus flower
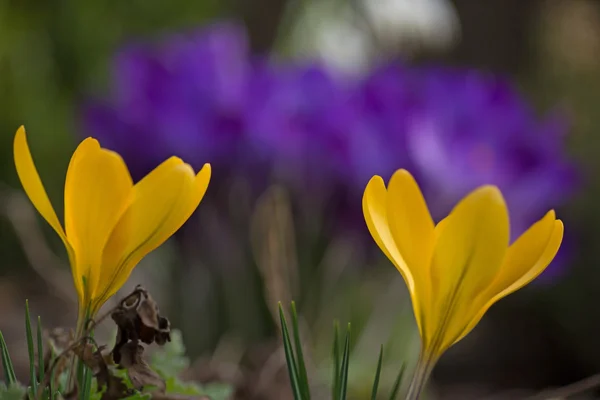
x: 110, y: 224
x: 455, y: 270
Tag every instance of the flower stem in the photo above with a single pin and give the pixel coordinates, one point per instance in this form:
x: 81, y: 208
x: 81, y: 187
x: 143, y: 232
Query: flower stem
x: 421, y: 376
x: 77, y: 368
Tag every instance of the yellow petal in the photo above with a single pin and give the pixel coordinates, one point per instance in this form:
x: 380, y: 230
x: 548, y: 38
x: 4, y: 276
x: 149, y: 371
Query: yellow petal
x: 32, y: 184
x: 162, y: 203
x: 98, y: 190
x: 375, y: 211
x: 525, y: 260
x: 410, y: 222
x: 471, y: 246
x: 529, y: 255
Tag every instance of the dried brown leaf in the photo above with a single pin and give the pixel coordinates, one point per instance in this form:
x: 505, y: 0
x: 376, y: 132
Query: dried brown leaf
x: 139, y: 372
x: 138, y: 319
x: 115, y: 389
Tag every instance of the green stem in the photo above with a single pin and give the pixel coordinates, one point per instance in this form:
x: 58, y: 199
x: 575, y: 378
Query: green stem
x: 421, y: 376
x: 76, y: 368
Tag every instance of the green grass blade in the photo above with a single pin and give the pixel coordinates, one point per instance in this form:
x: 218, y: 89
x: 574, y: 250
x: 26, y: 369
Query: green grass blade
x: 377, y: 375
x: 345, y: 366
x: 30, y: 349
x: 397, y: 383
x: 51, y: 390
x: 40, y: 350
x: 289, y: 356
x: 9, y: 370
x: 336, y: 361
x: 302, y: 375
x: 87, y: 384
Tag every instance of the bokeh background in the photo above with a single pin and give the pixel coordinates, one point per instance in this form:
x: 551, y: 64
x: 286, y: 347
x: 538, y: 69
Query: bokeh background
x: 296, y: 104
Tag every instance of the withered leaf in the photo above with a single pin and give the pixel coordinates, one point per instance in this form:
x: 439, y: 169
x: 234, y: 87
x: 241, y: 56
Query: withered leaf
x: 115, y: 389
x: 138, y: 319
x: 94, y: 360
x: 139, y: 372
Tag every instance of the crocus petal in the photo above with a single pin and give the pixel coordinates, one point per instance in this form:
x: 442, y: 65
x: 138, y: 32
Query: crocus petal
x: 375, y: 211
x: 470, y: 249
x: 409, y: 221
x: 412, y: 229
x: 545, y: 258
x: 525, y: 260
x: 163, y: 201
x: 98, y: 189
x: 32, y: 184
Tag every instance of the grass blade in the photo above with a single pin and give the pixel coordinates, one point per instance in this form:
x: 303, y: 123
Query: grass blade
x: 336, y: 361
x: 289, y: 356
x: 30, y: 349
x: 302, y: 375
x: 87, y: 384
x: 345, y: 366
x: 40, y: 350
x: 52, y: 372
x: 9, y: 370
x: 377, y: 374
x: 397, y: 383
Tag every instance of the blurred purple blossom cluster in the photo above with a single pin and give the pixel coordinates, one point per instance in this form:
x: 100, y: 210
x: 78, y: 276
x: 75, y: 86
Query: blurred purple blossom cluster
x: 204, y: 97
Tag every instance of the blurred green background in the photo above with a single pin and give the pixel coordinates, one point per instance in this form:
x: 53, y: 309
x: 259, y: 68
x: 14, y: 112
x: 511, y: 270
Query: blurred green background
x: 54, y: 54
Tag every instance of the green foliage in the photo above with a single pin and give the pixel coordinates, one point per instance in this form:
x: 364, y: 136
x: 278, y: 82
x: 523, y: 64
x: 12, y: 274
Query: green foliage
x: 341, y: 363
x: 12, y: 392
x: 30, y: 351
x: 9, y: 370
x: 139, y: 396
x: 170, y: 361
x: 377, y: 375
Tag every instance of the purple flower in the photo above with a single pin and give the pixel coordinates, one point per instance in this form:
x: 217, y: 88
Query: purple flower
x: 204, y: 97
x: 459, y: 129
x: 184, y: 95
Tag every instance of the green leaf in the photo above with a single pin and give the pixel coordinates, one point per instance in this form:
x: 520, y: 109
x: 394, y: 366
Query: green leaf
x: 289, y: 356
x: 87, y: 384
x: 397, y: 383
x: 40, y: 349
x: 215, y: 391
x: 139, y: 396
x: 30, y: 348
x: 9, y: 370
x: 218, y: 391
x: 175, y: 385
x: 303, y: 376
x: 14, y: 391
x: 377, y: 374
x: 51, y: 389
x: 170, y: 359
x: 345, y: 366
x: 336, y: 360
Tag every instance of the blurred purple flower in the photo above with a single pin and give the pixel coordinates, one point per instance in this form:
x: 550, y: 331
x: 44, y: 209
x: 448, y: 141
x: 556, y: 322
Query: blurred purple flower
x: 205, y: 98
x: 184, y: 95
x: 459, y: 129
